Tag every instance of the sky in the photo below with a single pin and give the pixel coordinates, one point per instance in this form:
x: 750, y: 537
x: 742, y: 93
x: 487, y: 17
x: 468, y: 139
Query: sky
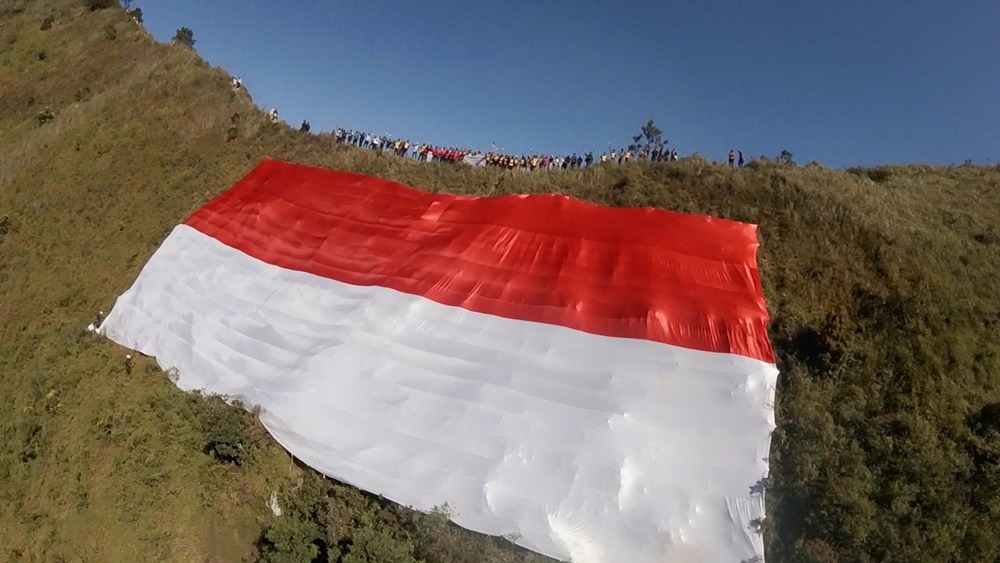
x: 842, y: 83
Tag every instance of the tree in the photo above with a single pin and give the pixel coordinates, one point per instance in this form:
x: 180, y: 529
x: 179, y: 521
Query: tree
x: 136, y: 14
x: 649, y: 136
x: 785, y: 158
x: 185, y: 37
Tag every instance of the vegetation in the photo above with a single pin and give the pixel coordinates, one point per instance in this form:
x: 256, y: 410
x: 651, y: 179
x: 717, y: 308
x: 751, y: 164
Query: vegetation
x: 45, y: 116
x: 101, y: 4
x: 184, y: 37
x: 650, y: 136
x: 882, y: 284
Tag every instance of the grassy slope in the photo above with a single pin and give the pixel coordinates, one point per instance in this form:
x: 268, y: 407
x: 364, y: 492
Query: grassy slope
x: 883, y: 296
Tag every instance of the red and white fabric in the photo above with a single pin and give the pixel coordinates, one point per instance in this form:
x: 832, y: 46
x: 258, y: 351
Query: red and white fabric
x: 595, y: 383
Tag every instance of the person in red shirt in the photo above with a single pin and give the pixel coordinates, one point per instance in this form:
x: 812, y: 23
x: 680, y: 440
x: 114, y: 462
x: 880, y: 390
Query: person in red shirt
x: 732, y: 157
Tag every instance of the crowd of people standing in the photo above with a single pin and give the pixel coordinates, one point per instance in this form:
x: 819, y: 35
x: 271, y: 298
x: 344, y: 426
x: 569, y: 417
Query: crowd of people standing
x: 551, y: 162
x: 399, y: 147
x: 430, y: 153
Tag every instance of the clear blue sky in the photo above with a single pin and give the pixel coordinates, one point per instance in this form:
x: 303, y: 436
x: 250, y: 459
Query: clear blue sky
x: 843, y: 83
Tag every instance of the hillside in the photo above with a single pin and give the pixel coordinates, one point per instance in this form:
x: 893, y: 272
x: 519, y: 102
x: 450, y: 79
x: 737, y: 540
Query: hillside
x: 882, y: 285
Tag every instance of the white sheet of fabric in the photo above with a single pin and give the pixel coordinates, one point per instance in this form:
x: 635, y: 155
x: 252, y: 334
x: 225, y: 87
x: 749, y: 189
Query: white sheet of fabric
x: 475, y: 159
x: 582, y: 447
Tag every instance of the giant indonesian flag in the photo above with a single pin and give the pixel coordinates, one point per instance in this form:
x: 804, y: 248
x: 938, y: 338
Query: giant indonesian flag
x: 595, y: 383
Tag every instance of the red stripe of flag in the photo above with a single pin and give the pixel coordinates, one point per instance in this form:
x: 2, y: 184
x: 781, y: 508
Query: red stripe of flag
x: 680, y: 279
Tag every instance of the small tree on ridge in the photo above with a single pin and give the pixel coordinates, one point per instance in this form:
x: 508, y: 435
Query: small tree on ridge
x: 649, y: 136
x: 185, y: 37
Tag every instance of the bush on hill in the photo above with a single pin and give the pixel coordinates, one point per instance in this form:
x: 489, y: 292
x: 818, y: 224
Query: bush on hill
x: 184, y: 37
x: 95, y: 5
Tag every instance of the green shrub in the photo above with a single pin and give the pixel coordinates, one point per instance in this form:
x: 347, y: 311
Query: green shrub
x: 988, y: 238
x: 226, y: 431
x: 28, y: 436
x: 376, y: 546
x: 785, y: 158
x: 879, y: 175
x: 45, y: 116
x: 288, y: 540
x: 110, y: 32
x: 986, y: 420
x: 233, y: 132
x: 185, y: 37
x: 95, y: 5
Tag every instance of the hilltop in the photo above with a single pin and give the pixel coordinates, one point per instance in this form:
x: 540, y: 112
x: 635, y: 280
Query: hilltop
x: 881, y: 283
